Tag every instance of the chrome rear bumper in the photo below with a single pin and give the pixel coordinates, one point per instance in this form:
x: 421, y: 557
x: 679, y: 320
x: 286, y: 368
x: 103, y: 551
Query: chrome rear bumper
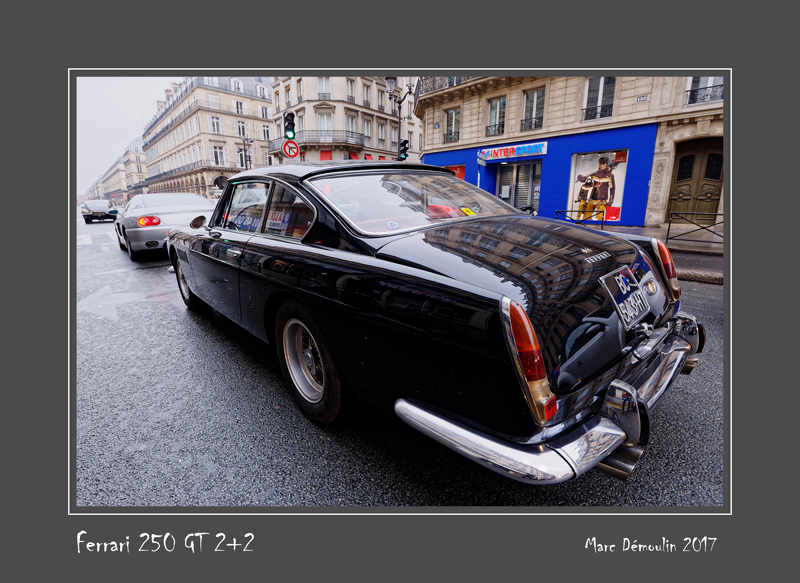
x: 619, y: 424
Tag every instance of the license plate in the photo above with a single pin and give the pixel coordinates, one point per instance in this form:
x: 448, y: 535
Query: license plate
x: 628, y: 298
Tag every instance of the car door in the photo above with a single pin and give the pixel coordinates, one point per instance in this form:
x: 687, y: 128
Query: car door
x: 276, y: 258
x: 217, y: 252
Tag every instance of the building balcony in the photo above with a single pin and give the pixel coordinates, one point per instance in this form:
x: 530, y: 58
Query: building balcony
x: 450, y: 137
x: 320, y: 138
x: 495, y: 130
x: 704, y: 95
x: 598, y: 112
x: 532, y: 123
x: 194, y: 167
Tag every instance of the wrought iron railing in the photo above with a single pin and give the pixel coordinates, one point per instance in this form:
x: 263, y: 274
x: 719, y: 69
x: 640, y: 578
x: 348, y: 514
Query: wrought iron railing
x: 431, y: 84
x: 322, y: 137
x: 322, y: 96
x: 531, y: 123
x: 496, y: 129
x: 716, y: 236
x: 192, y: 166
x: 450, y: 137
x: 704, y: 95
x: 597, y: 112
x: 366, y: 103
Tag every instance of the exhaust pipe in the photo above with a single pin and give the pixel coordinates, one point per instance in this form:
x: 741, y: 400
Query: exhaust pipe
x: 621, y: 461
x: 689, y: 365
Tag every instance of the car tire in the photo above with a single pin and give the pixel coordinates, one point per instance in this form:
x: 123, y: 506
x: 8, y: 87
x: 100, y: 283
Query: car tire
x: 187, y: 295
x: 87, y: 220
x: 122, y: 245
x: 307, y: 363
x: 134, y: 255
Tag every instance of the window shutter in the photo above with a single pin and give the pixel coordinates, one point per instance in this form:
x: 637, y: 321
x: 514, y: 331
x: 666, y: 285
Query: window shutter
x: 225, y: 155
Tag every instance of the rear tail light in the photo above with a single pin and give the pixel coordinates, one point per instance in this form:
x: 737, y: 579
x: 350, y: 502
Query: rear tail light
x: 149, y: 221
x: 669, y: 268
x: 527, y: 355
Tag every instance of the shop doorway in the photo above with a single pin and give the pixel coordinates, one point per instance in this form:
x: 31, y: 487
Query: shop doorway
x: 518, y: 184
x: 697, y: 180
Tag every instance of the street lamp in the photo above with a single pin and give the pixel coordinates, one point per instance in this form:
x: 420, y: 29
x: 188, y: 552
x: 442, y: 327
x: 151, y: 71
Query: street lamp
x: 391, y: 85
x: 245, y: 141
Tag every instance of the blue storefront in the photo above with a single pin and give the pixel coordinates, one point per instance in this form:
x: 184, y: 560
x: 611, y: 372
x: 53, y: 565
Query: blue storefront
x: 550, y: 172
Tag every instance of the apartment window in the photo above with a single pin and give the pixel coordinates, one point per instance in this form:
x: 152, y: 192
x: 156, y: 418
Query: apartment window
x: 325, y: 122
x: 496, y: 123
x: 240, y: 163
x: 214, y: 124
x: 213, y: 101
x: 265, y: 113
x: 288, y: 96
x: 261, y: 91
x: 239, y: 107
x: 599, y: 97
x: 410, y: 140
x: 452, y: 124
x: 324, y: 87
x: 351, y: 124
x: 410, y: 109
x: 533, y: 115
x: 301, y: 123
x: 241, y: 129
x: 277, y: 101
x: 218, y: 155
x: 299, y: 90
x: 138, y: 167
x: 236, y: 85
x: 704, y: 89
x: 381, y: 133
x: 394, y: 137
x: 420, y: 142
x: 265, y: 132
x: 381, y: 99
x: 366, y: 91
x: 351, y: 91
x: 367, y: 128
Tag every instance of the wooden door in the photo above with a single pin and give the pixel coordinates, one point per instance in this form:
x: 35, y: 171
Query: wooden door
x: 697, y: 180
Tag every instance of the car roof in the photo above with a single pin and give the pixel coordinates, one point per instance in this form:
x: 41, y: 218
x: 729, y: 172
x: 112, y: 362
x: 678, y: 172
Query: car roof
x: 303, y: 170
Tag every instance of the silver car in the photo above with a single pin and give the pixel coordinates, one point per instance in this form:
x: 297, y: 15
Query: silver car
x: 144, y: 222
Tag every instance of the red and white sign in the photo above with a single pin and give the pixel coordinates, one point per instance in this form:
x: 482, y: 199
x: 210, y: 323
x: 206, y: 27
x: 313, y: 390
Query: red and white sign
x: 290, y: 149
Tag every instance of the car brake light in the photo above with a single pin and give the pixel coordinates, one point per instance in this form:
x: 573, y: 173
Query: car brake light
x: 669, y: 268
x: 528, y: 355
x: 149, y: 221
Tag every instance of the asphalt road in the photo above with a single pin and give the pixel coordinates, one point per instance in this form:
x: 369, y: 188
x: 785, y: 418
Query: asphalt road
x: 177, y: 409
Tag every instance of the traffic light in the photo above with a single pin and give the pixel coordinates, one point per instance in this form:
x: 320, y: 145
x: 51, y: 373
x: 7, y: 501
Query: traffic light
x: 403, y: 153
x: 288, y: 125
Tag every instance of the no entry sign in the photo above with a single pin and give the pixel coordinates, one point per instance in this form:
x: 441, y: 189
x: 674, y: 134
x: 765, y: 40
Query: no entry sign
x: 291, y: 149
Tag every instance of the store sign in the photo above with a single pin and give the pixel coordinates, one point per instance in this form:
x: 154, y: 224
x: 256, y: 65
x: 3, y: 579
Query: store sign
x: 536, y: 149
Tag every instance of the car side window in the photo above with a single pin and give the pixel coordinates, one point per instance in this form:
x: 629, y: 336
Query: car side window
x: 288, y: 214
x: 247, y: 203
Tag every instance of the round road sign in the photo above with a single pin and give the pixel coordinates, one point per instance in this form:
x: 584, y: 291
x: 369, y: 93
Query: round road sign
x: 291, y: 149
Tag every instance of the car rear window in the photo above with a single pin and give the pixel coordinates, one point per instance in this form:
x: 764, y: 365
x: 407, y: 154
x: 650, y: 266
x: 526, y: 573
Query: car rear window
x: 387, y: 202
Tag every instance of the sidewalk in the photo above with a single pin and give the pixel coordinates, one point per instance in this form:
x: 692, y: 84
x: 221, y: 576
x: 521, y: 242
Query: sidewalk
x: 698, y: 254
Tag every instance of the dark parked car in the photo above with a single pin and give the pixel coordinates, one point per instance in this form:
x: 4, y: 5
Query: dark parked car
x: 534, y: 347
x: 97, y: 210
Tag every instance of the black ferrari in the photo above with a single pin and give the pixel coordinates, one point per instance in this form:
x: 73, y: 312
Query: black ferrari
x: 534, y: 347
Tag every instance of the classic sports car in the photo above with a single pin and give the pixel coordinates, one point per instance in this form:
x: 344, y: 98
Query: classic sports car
x: 144, y: 222
x: 532, y: 346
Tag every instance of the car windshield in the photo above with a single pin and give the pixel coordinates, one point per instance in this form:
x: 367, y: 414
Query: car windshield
x: 156, y: 200
x: 381, y: 203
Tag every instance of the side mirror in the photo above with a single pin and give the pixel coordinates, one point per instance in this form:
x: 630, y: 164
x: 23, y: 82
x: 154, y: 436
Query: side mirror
x: 113, y: 212
x: 198, y: 222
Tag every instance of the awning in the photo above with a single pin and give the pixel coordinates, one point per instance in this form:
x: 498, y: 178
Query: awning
x: 325, y: 154
x: 367, y: 156
x: 353, y: 156
x: 381, y: 157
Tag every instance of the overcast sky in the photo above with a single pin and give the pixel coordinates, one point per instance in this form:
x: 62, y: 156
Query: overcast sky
x: 111, y: 113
